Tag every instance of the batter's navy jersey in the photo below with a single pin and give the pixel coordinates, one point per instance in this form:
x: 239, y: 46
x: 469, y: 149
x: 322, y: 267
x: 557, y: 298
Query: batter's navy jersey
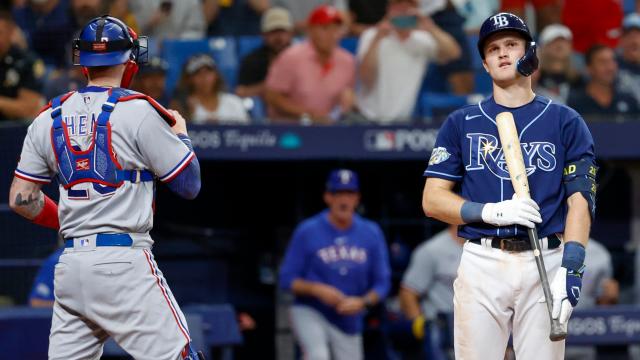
x: 354, y: 261
x: 468, y: 150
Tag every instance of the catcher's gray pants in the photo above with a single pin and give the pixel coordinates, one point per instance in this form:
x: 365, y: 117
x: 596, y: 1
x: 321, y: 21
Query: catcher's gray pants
x: 321, y: 340
x: 117, y: 292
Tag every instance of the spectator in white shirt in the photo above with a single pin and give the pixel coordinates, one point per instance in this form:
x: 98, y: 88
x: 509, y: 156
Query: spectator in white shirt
x: 201, y: 95
x: 393, y: 58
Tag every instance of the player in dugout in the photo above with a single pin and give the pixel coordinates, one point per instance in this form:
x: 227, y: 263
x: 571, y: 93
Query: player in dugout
x: 337, y: 267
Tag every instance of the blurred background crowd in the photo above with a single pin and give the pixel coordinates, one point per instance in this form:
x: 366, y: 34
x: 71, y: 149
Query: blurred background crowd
x: 337, y: 62
x: 326, y: 61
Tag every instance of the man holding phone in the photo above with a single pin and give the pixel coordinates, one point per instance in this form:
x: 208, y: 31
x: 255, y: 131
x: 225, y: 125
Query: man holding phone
x: 393, y: 58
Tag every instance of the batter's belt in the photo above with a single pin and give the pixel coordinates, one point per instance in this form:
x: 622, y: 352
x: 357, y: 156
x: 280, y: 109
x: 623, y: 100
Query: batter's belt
x: 517, y: 244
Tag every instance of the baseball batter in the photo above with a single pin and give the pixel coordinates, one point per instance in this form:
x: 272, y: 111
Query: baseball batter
x: 106, y: 145
x: 497, y: 290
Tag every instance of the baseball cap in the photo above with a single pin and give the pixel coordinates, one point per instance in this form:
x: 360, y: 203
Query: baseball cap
x: 197, y: 62
x: 553, y: 32
x: 342, y: 180
x: 324, y: 15
x: 631, y: 21
x: 155, y: 65
x: 276, y: 18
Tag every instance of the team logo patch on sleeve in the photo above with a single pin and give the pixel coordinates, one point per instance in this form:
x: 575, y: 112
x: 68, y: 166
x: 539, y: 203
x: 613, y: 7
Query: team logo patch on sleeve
x: 438, y: 155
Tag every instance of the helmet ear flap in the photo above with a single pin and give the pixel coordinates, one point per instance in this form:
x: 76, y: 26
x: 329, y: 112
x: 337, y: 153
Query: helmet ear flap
x: 528, y: 63
x: 130, y: 70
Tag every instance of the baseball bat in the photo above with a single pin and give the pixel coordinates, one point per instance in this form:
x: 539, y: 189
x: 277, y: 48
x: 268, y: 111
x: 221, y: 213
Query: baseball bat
x: 518, y: 174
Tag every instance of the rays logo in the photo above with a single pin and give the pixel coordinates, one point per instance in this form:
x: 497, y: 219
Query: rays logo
x: 484, y: 152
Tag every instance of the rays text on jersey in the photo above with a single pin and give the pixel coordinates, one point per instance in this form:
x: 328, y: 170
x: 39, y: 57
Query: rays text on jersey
x: 485, y: 152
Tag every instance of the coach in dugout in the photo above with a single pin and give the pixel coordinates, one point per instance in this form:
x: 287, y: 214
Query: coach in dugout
x: 337, y: 266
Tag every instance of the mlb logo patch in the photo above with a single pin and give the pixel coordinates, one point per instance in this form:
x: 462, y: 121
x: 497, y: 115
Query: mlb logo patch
x: 85, y: 242
x: 82, y: 164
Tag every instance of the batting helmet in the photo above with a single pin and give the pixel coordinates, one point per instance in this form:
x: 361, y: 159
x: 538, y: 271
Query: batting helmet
x: 106, y: 41
x: 504, y: 21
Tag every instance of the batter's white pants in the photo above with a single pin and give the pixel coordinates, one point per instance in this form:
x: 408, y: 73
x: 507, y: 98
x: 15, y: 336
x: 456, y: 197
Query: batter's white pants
x: 321, y: 340
x: 497, y: 293
x: 117, y: 292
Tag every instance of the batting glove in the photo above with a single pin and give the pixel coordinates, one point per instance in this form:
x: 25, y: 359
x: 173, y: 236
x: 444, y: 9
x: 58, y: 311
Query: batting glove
x: 523, y: 212
x: 567, y: 284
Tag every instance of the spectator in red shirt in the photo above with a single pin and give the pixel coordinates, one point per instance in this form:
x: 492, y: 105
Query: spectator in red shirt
x: 312, y: 82
x: 593, y: 22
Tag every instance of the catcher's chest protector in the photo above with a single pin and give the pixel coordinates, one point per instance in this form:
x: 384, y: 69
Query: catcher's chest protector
x: 97, y: 164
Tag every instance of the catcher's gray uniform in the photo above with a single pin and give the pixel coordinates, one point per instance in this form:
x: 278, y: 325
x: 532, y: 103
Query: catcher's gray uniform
x: 113, y: 291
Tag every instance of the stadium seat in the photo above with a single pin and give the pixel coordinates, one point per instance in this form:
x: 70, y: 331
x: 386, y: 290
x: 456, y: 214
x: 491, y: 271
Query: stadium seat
x: 223, y: 50
x: 434, y: 104
x: 247, y: 44
x: 350, y: 44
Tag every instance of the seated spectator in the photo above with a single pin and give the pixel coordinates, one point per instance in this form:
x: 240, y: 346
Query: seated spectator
x: 365, y: 14
x: 312, y: 82
x: 41, y: 294
x: 151, y: 80
x: 201, y: 95
x: 300, y: 10
x: 629, y: 56
x: 600, y: 99
x: 167, y: 19
x: 48, y: 26
x: 393, y: 60
x: 459, y: 72
x: 579, y: 15
x: 21, y: 74
x: 556, y: 75
x: 546, y: 11
x: 277, y: 33
x: 235, y: 17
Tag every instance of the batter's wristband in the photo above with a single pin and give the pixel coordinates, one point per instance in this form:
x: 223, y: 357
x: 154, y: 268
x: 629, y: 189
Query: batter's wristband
x: 471, y: 212
x: 186, y: 140
x: 48, y: 216
x: 573, y: 255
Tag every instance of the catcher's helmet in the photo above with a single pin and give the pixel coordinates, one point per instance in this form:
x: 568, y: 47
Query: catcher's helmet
x: 504, y: 21
x: 106, y: 41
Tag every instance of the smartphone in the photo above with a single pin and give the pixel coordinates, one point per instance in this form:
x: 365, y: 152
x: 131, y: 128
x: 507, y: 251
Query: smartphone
x: 404, y: 21
x: 166, y: 6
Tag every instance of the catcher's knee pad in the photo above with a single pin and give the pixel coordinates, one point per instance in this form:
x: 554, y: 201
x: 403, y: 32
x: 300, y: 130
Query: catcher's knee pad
x: 188, y: 353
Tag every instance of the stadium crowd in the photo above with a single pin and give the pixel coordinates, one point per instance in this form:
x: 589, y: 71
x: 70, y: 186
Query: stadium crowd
x: 323, y: 62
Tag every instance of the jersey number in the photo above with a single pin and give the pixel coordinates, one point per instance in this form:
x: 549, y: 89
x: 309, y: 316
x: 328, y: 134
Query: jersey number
x: 83, y: 194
